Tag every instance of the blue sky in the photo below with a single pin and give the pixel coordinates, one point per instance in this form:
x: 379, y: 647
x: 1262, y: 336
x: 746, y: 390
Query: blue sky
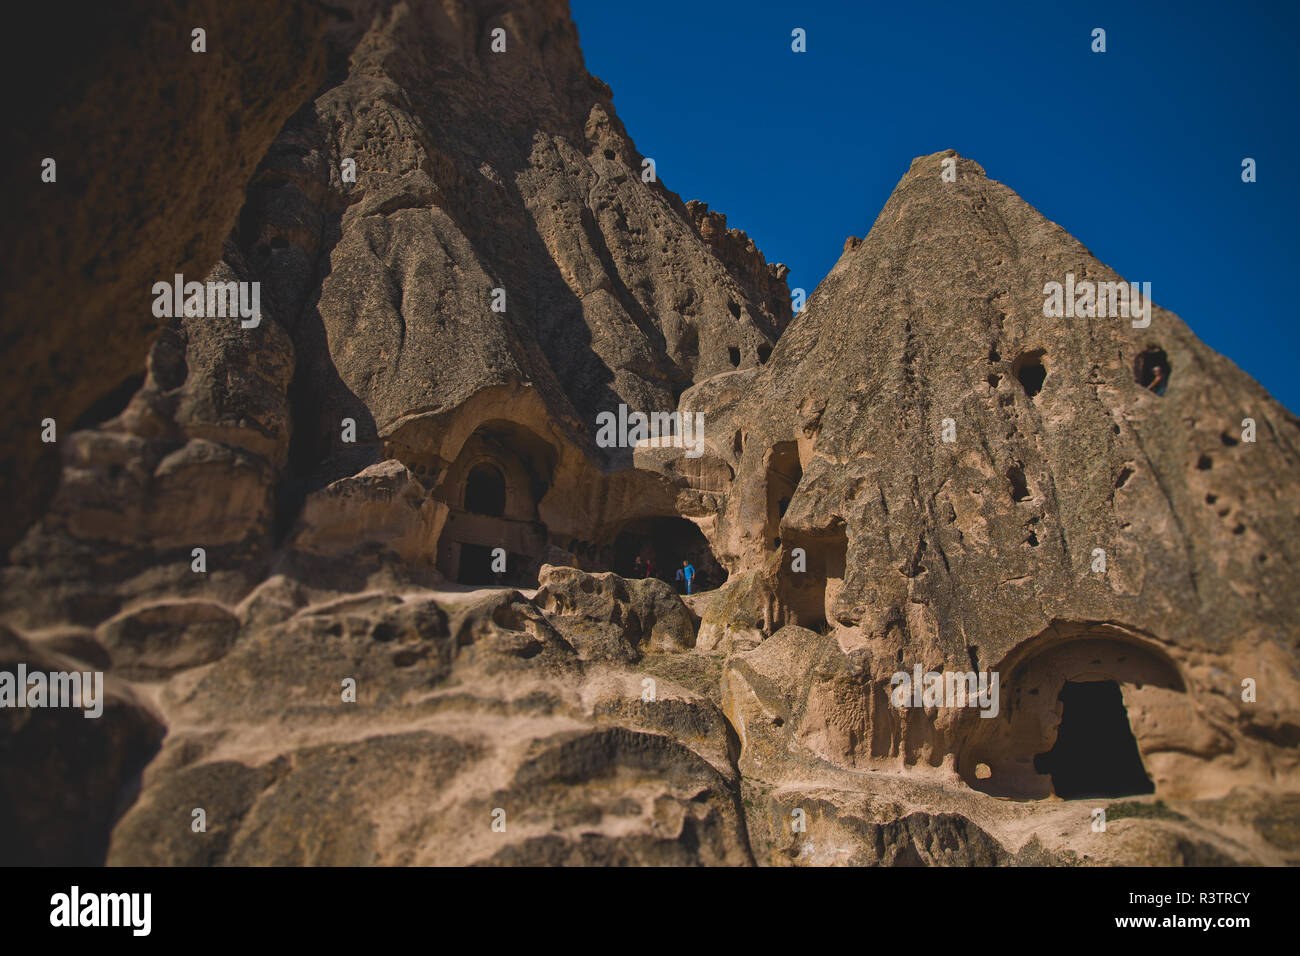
x: 1136, y: 152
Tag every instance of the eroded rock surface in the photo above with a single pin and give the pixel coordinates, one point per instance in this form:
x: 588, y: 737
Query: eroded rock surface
x: 371, y: 568
x: 468, y: 710
x: 1073, y: 510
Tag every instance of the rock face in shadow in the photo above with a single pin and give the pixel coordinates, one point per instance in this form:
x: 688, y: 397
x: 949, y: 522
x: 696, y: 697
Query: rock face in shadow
x: 192, y: 461
x: 528, y: 254
x: 68, y: 776
x: 153, y: 152
x: 374, y: 562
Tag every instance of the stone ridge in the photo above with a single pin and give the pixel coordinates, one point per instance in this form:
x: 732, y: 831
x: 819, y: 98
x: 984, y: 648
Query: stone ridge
x: 743, y: 258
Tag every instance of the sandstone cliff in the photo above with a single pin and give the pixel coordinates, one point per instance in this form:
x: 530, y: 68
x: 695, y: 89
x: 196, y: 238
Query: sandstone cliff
x: 920, y: 469
x: 1076, y: 526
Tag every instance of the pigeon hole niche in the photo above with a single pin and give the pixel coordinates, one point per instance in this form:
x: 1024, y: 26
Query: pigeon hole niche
x: 667, y: 541
x: 1068, y: 700
x: 492, y: 491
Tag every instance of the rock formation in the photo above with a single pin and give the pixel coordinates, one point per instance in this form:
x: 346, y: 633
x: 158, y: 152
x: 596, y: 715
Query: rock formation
x: 152, y: 150
x: 372, y: 564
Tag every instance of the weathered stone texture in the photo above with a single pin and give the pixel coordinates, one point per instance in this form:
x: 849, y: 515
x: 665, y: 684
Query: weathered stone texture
x: 398, y: 493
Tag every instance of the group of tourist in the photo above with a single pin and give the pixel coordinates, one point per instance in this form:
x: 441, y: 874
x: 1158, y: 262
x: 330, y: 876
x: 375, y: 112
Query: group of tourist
x: 684, y: 577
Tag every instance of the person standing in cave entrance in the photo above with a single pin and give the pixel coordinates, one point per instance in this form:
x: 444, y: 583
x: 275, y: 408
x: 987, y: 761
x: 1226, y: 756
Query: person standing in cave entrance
x: 1158, y: 380
x: 649, y: 567
x: 679, y: 578
x: 688, y: 574
x: 637, y: 570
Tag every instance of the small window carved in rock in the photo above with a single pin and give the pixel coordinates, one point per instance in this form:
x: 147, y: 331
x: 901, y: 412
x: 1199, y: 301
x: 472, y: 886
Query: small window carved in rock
x: 1151, y: 369
x: 1030, y: 372
x: 1019, y: 487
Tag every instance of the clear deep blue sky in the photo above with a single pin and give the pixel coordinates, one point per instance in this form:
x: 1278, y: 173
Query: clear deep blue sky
x: 1136, y: 152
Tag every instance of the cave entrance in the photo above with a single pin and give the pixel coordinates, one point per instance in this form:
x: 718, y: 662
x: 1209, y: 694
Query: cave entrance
x: 667, y: 542
x: 1151, y: 369
x: 475, y: 567
x: 1085, y: 708
x: 1096, y: 754
x: 493, y: 490
x: 783, y: 476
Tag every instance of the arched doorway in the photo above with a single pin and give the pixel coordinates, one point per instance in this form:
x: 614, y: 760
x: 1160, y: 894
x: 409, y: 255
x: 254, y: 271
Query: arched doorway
x: 493, y: 491
x: 485, y: 491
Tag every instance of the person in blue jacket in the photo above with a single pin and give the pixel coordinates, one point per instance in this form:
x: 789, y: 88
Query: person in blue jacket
x: 688, y: 572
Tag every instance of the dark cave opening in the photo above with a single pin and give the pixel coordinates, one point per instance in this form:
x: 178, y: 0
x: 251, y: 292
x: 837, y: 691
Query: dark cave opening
x: 111, y: 404
x: 485, y: 491
x: 1019, y: 487
x: 1095, y: 754
x: 733, y: 355
x: 666, y: 542
x: 475, y: 566
x: 1030, y: 372
x: 784, y: 472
